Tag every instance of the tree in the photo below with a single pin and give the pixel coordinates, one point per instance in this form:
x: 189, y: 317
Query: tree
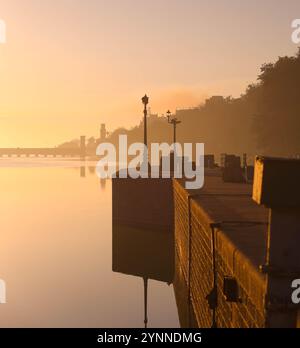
x: 276, y: 105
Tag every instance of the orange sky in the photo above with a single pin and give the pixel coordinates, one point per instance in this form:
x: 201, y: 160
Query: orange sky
x: 70, y: 65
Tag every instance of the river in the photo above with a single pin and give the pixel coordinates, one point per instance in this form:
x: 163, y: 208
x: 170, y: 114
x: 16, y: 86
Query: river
x: 56, y: 252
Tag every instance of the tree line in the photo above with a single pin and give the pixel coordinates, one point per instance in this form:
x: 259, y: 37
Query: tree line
x: 265, y: 119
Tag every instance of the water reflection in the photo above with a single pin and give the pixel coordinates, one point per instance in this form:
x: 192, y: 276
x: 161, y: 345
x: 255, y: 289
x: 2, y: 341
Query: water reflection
x: 82, y: 171
x: 103, y: 183
x: 92, y: 170
x: 56, y: 253
x: 144, y: 253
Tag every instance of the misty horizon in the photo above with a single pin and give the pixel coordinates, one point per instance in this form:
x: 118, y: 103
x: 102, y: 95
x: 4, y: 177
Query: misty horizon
x: 67, y: 82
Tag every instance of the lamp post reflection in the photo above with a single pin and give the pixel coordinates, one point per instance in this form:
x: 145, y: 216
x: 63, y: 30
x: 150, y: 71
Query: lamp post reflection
x: 145, y: 302
x: 147, y: 254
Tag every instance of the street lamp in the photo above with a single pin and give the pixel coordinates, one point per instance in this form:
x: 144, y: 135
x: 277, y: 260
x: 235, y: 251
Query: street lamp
x: 174, y: 121
x: 145, y: 101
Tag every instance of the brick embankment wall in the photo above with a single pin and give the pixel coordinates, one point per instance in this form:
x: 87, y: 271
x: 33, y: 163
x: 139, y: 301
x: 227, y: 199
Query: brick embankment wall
x: 185, y: 310
x: 196, y: 253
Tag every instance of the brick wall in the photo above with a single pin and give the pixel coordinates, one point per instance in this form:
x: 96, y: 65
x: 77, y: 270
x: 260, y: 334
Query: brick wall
x: 193, y: 243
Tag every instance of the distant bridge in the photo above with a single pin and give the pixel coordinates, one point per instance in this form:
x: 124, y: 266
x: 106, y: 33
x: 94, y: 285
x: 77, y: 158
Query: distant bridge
x: 44, y: 152
x: 79, y: 151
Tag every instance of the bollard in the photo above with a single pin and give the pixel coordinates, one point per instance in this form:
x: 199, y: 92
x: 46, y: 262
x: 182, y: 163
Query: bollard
x: 277, y: 186
x: 232, y: 170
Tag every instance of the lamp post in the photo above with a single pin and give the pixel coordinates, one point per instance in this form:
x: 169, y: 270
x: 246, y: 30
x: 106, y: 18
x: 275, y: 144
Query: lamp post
x: 145, y: 101
x: 174, y: 121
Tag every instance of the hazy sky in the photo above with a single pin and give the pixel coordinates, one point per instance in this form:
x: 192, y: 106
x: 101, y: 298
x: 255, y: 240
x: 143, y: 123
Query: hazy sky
x: 70, y: 65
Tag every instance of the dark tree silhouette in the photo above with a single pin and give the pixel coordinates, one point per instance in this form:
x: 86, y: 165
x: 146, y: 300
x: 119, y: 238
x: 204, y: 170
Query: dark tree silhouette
x: 275, y: 101
x: 265, y: 119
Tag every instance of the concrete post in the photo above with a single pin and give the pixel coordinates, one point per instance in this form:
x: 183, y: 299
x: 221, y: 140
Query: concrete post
x: 277, y: 186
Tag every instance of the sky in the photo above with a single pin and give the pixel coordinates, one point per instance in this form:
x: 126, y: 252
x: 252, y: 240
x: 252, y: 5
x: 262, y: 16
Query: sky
x: 70, y: 65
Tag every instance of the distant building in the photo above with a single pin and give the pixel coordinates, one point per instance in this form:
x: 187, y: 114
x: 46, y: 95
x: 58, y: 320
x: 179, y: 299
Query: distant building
x: 216, y: 99
x: 103, y: 133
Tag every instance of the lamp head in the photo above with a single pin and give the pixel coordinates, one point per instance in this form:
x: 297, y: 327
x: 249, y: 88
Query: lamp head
x: 168, y: 115
x: 145, y: 99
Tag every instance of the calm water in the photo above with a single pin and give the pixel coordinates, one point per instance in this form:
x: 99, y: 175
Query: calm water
x: 56, y: 253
